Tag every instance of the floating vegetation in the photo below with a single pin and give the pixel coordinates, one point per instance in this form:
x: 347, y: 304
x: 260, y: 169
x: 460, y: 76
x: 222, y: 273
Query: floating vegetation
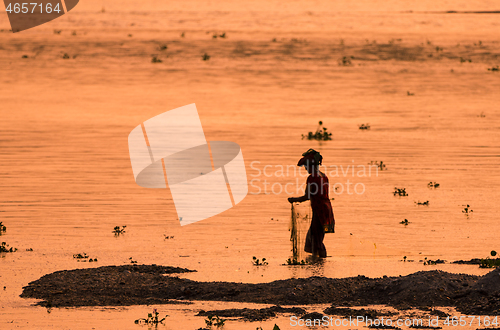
x: 346, y: 61
x: 156, y: 60
x: 495, y: 68
x: 5, y: 248
x: 467, y: 209
x: 206, y: 57
x: 433, y: 185
x: 132, y: 261
x: 426, y: 203
x: 84, y: 257
x: 364, y: 126
x: 215, y: 35
x: 214, y: 320
x: 80, y: 256
x: 380, y: 164
x: 257, y: 262
x: 321, y: 133
x: 490, y: 263
x: 400, y: 191
x: 428, y: 262
x: 118, y: 231
x: 295, y: 262
x: 3, y: 229
x: 408, y: 93
x: 405, y: 222
x: 152, y: 319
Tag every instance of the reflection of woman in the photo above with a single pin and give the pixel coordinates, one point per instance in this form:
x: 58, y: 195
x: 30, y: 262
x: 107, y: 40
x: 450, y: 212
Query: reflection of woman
x: 317, y: 192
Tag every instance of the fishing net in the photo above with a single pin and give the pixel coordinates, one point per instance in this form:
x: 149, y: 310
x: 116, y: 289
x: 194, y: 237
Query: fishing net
x: 300, y: 221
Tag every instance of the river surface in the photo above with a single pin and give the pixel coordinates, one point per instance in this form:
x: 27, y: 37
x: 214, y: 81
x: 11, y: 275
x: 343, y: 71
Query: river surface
x: 400, y: 66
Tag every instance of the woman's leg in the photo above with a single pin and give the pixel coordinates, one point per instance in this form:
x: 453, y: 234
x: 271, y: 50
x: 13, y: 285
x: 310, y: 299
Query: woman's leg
x: 314, y: 239
x: 308, y: 247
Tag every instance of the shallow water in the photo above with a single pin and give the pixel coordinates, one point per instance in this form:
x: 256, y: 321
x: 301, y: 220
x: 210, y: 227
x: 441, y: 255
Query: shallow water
x: 66, y: 178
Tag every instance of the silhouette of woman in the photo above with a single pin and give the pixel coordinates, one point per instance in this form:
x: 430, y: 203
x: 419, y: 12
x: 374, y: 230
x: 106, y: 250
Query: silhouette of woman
x: 317, y: 192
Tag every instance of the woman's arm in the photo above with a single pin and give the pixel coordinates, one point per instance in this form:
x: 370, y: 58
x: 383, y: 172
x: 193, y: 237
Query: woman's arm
x: 301, y: 198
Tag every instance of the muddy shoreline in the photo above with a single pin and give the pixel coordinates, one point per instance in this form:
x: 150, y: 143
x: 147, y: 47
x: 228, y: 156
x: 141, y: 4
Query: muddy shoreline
x: 152, y: 284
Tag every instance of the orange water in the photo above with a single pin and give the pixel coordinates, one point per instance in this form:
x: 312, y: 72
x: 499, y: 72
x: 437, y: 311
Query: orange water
x: 66, y: 178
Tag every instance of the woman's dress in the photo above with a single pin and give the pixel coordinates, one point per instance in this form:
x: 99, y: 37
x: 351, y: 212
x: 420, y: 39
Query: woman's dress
x: 318, y: 187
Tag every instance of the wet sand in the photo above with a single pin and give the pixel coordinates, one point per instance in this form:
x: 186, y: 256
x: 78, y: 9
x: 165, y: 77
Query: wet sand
x: 142, y: 284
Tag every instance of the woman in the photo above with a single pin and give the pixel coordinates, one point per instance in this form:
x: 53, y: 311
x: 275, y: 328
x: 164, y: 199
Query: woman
x: 317, y: 192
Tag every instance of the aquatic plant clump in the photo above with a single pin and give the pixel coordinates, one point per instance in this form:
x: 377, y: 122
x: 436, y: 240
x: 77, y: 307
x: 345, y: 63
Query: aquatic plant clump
x: 215, y: 321
x: 400, y: 191
x: 467, y: 210
x: 84, y: 257
x: 428, y: 262
x: 321, y: 133
x: 5, y: 248
x: 117, y: 230
x: 152, y: 319
x: 380, y: 164
x: 257, y: 262
x: 364, y: 126
x: 155, y: 59
x: 490, y: 263
x: 295, y: 262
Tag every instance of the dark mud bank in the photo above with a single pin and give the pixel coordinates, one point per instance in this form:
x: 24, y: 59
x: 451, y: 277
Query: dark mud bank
x: 149, y: 284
